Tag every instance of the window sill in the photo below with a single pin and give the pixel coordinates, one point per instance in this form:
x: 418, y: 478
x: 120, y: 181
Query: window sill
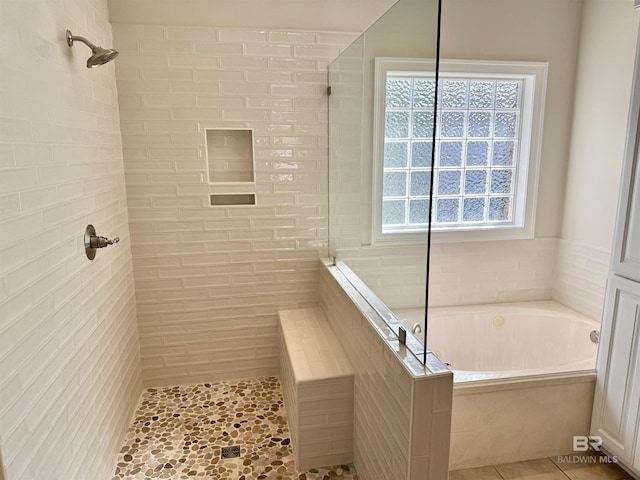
x: 459, y: 236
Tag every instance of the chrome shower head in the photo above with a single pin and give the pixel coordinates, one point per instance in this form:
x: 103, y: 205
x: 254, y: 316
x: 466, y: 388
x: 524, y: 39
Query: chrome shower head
x: 100, y: 55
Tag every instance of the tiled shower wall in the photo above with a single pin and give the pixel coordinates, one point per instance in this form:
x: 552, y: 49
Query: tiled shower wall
x: 69, y: 354
x: 209, y: 280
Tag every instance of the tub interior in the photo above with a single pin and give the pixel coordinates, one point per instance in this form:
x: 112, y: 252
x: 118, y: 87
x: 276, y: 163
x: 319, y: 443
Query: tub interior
x: 507, y: 337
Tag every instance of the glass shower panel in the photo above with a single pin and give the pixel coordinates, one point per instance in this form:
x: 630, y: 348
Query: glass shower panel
x: 381, y: 133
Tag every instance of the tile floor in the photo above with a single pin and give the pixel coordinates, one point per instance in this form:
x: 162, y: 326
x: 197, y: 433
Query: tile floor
x: 178, y: 433
x: 554, y: 468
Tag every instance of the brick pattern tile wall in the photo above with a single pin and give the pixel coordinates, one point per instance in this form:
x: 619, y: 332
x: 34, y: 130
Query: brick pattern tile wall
x: 580, y: 277
x: 401, y: 422
x: 210, y: 280
x: 461, y: 273
x: 69, y: 355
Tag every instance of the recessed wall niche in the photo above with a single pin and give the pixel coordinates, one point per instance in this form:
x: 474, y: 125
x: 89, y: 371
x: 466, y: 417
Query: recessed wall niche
x: 230, y: 166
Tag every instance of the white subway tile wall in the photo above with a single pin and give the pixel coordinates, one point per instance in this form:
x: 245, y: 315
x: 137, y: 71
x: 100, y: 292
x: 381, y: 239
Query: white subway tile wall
x: 210, y: 280
x: 488, y: 272
x: 461, y: 273
x: 348, y: 186
x: 69, y: 355
x: 401, y: 421
x: 580, y: 278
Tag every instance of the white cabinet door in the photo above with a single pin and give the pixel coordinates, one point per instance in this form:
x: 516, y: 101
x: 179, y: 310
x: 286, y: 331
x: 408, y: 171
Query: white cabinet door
x: 617, y: 398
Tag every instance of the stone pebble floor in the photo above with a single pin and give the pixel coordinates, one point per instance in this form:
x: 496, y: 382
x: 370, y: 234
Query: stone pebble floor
x: 178, y: 433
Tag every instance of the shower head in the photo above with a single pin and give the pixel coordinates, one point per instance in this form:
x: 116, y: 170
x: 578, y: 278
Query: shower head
x: 100, y: 55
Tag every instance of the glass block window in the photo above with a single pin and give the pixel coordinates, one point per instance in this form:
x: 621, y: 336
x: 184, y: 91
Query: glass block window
x: 476, y: 148
x: 486, y: 147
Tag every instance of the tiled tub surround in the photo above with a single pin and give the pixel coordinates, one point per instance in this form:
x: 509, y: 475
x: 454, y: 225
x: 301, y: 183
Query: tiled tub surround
x: 519, y: 419
x: 461, y: 273
x: 525, y: 404
x: 570, y: 273
x: 580, y: 278
x: 402, y: 409
x: 210, y: 281
x: 178, y: 433
x: 69, y: 354
x: 317, y: 383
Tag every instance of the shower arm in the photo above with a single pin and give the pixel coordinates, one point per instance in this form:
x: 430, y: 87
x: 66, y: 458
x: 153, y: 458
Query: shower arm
x: 72, y: 38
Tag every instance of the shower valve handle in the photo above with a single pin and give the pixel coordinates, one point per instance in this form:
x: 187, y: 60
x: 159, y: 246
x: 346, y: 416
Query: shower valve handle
x: 92, y: 242
x: 101, y: 242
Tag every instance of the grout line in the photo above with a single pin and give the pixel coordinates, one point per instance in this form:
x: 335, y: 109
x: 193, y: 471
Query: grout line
x: 558, y: 468
x: 496, y: 470
x: 565, y: 474
x: 523, y: 478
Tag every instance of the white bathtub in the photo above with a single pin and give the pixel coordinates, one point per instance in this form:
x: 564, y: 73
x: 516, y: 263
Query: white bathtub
x: 524, y: 374
x: 524, y: 377
x: 506, y: 340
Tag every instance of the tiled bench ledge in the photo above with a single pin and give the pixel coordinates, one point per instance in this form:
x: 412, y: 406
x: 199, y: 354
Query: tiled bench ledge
x: 317, y: 381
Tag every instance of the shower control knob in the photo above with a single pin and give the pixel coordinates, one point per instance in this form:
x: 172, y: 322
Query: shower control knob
x: 101, y: 242
x: 93, y: 242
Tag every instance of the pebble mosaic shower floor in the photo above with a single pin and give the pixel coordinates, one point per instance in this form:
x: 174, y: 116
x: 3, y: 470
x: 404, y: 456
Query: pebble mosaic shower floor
x: 179, y: 432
